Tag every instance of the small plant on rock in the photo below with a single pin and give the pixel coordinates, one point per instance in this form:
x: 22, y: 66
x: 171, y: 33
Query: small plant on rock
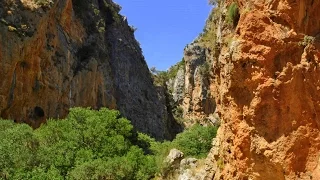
x: 233, y: 15
x: 205, y: 69
x: 307, y: 40
x: 220, y: 163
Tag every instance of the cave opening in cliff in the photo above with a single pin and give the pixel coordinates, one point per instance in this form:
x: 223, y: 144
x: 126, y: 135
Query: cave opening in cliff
x: 38, y: 112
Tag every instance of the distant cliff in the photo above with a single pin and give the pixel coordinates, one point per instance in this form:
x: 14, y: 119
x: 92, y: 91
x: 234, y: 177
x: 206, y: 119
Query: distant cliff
x: 59, y: 54
x: 263, y: 80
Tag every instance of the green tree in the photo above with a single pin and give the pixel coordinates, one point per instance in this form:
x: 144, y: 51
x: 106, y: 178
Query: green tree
x: 196, y: 141
x: 90, y: 144
x: 17, y: 149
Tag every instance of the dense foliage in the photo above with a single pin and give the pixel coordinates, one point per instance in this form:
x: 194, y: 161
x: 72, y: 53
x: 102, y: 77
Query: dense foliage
x: 196, y: 141
x: 89, y: 144
x: 193, y: 142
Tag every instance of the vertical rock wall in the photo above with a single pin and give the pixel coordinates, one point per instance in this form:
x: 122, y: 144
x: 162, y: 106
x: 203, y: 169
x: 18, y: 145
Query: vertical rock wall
x: 264, y: 78
x: 267, y: 79
x: 198, y: 102
x: 68, y: 53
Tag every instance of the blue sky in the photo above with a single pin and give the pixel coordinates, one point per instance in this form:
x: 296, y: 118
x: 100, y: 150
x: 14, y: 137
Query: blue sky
x: 165, y: 27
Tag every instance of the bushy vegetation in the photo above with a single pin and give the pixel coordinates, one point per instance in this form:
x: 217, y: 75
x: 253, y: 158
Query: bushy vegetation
x: 196, y: 141
x: 233, y: 14
x: 205, y: 69
x: 161, y: 77
x: 86, y: 145
x: 172, y: 72
x: 90, y: 144
x: 208, y: 37
x: 193, y: 142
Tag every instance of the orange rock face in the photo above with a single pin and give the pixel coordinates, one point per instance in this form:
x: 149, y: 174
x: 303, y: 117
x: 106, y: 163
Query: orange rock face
x: 267, y: 86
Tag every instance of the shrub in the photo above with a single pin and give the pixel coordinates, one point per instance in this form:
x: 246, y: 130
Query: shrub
x: 204, y: 69
x: 220, y: 163
x: 161, y: 77
x: 196, y: 141
x: 209, y: 35
x: 233, y: 14
x: 172, y: 72
x: 178, y: 113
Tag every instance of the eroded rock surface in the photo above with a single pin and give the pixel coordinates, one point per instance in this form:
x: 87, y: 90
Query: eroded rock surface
x: 267, y: 79
x: 180, y: 168
x: 198, y: 101
x: 178, y: 85
x: 65, y: 53
x: 265, y: 82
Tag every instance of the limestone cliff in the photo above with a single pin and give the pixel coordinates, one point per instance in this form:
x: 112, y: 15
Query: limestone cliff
x: 190, y: 84
x: 265, y: 79
x: 64, y: 53
x: 198, y: 102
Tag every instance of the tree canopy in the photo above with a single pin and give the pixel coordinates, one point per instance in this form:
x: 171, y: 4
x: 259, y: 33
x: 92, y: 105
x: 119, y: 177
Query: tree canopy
x: 88, y: 144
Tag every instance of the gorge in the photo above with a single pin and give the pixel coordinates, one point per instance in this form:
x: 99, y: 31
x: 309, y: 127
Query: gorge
x: 254, y: 72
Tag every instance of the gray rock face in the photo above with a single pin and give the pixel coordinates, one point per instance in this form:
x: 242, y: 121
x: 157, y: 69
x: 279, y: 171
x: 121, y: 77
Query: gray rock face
x: 183, y: 169
x: 172, y: 127
x: 214, y: 119
x: 174, y: 157
x: 198, y: 102
x: 178, y: 86
x: 188, y: 162
x: 74, y: 53
x: 190, y: 175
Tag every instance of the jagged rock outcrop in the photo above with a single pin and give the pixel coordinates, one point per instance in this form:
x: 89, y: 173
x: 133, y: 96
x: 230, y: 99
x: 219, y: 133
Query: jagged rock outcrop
x: 178, y: 85
x: 190, y: 87
x: 64, y: 53
x: 198, y: 101
x: 267, y: 86
x: 180, y: 168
